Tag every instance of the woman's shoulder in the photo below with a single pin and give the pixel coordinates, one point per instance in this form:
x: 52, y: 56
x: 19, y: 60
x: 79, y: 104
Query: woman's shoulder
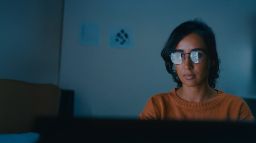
x: 231, y: 97
x: 239, y: 103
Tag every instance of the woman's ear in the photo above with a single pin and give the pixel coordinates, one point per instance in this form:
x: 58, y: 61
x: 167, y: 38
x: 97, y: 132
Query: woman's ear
x: 212, y: 64
x: 174, y: 68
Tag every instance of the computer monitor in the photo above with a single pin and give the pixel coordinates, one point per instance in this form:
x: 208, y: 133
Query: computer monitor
x: 136, y: 131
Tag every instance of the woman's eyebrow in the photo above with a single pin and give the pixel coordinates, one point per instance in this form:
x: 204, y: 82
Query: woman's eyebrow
x: 182, y: 51
x: 198, y: 49
x: 178, y: 50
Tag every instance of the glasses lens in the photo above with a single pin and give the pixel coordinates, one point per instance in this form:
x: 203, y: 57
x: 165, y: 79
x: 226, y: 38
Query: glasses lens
x: 176, y: 58
x: 195, y: 56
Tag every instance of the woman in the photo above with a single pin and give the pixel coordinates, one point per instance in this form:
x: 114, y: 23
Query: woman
x: 191, y: 58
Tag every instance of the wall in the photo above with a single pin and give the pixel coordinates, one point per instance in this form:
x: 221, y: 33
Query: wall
x: 116, y: 82
x: 30, y: 40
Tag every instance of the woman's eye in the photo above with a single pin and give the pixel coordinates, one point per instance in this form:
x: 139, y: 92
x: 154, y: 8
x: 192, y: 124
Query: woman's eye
x: 200, y: 55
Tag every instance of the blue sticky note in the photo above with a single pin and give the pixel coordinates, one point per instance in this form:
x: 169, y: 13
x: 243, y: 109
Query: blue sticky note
x: 89, y: 35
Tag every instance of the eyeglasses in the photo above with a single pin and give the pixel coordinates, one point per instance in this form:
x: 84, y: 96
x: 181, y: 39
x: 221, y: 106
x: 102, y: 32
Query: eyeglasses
x: 195, y: 55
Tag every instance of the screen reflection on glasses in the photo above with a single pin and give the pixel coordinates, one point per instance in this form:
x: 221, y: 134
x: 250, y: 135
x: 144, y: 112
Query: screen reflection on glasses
x: 196, y: 55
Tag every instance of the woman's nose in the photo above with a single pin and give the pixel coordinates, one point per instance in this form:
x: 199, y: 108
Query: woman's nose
x: 187, y: 63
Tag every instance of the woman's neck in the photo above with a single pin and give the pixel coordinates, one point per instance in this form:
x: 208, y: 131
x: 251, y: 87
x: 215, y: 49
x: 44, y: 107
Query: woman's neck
x: 196, y: 94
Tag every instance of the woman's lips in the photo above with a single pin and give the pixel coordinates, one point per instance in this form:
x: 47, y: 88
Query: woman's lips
x: 189, y: 76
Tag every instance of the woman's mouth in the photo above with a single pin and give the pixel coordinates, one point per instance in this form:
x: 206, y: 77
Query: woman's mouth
x: 189, y: 76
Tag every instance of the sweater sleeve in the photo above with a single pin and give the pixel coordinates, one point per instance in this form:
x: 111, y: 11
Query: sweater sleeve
x: 245, y: 113
x: 150, y: 111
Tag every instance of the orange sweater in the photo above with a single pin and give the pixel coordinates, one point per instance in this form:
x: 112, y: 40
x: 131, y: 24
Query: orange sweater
x: 221, y: 107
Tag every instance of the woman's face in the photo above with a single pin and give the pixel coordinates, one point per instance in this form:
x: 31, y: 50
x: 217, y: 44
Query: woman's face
x: 190, y: 73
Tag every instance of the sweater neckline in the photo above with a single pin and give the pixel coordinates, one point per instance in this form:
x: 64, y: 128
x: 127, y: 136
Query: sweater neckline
x: 197, y: 105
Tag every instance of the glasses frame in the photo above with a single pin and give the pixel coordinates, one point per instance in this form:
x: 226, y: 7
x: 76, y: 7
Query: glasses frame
x: 191, y: 56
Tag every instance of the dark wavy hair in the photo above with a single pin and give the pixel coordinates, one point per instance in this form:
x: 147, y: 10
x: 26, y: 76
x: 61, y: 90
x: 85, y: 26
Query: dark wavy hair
x: 206, y: 33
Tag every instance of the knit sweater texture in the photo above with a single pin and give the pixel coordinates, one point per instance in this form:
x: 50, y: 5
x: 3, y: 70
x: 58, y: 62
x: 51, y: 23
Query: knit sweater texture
x: 170, y: 106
